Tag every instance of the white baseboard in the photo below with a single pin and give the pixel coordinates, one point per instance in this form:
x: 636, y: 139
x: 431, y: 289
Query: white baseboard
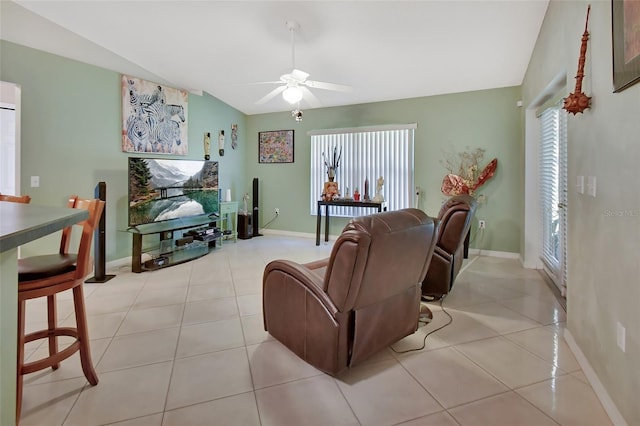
x: 287, y: 233
x: 596, y: 384
x: 493, y: 253
x: 118, y: 263
x: 476, y: 252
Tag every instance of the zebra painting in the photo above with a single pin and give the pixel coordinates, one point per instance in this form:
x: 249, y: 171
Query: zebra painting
x: 138, y: 131
x: 154, y: 118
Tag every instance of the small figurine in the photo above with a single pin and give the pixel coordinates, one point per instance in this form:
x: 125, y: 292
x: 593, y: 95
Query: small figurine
x: 366, y: 189
x: 234, y: 136
x: 221, y: 143
x: 356, y: 194
x: 379, y: 198
x: 330, y: 191
x: 207, y: 145
x: 347, y: 195
x: 245, y: 201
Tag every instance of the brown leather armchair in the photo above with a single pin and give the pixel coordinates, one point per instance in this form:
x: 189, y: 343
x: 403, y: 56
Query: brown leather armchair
x: 337, y: 312
x: 456, y: 216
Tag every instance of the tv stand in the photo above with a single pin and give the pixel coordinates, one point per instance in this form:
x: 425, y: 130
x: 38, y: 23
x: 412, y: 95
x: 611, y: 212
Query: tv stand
x: 172, y: 251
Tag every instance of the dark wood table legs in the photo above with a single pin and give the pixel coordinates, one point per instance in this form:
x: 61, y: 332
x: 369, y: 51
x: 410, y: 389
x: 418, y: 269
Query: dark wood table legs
x: 344, y: 203
x: 318, y: 222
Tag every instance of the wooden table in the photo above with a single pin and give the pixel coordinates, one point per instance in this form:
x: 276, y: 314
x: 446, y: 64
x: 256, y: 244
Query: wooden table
x: 20, y: 224
x: 341, y: 203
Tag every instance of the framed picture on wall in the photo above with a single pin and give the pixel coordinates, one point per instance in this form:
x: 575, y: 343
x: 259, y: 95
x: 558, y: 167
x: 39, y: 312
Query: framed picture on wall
x: 154, y: 118
x: 275, y: 146
x: 625, y: 26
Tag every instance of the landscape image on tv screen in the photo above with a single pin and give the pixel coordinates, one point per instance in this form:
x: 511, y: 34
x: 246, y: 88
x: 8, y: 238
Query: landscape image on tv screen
x: 165, y: 189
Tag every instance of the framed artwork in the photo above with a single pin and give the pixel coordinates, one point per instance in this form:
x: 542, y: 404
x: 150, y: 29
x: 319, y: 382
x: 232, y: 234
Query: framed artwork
x: 154, y: 118
x: 625, y: 28
x: 275, y: 146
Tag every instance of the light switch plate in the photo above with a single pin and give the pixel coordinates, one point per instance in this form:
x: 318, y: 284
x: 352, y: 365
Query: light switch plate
x: 580, y: 184
x: 35, y: 181
x: 621, y: 336
x: 591, y: 186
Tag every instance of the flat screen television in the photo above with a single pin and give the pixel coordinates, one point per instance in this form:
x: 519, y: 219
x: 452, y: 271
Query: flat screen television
x: 166, y: 189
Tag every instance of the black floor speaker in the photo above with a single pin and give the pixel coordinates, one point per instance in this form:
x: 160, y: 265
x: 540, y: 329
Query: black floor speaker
x: 99, y: 240
x: 255, y: 216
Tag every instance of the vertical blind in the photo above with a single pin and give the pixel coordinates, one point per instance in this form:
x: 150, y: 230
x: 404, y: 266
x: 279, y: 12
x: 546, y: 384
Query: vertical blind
x: 367, y: 153
x: 553, y: 192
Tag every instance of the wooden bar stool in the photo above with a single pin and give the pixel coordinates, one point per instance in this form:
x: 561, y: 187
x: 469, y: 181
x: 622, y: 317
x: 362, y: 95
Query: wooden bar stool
x: 47, y: 275
x: 25, y: 199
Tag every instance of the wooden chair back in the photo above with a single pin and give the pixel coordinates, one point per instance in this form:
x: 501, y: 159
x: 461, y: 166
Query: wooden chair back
x: 24, y: 199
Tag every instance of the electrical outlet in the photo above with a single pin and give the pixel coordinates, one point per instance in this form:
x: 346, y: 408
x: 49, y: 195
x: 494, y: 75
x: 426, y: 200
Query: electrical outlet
x: 621, y: 336
x: 481, y: 224
x: 277, y: 211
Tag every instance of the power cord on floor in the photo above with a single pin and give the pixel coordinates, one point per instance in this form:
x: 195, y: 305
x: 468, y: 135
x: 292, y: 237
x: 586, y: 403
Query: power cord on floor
x: 271, y: 221
x: 424, y: 341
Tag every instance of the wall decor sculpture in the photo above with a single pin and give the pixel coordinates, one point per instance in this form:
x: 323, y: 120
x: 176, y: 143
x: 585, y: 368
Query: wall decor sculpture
x: 578, y: 101
x: 234, y: 136
x: 465, y: 177
x: 154, y: 118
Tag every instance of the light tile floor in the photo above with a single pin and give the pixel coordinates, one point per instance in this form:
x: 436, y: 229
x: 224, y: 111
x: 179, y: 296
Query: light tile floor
x: 185, y: 346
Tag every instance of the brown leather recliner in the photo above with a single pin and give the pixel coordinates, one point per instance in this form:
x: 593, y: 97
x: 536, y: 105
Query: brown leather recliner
x: 456, y: 216
x: 337, y: 312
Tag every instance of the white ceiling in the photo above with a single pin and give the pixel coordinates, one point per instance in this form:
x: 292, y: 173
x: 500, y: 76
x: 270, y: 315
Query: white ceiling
x: 385, y: 50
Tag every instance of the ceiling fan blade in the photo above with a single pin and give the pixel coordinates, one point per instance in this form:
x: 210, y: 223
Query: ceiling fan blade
x: 310, y: 98
x: 327, y: 86
x: 258, y: 83
x: 272, y: 94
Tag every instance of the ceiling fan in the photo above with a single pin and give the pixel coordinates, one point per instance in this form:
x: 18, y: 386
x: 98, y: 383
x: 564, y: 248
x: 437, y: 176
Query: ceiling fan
x: 294, y: 85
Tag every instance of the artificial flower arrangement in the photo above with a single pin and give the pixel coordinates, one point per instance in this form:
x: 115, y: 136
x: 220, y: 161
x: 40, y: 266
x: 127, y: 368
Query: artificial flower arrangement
x: 464, y: 176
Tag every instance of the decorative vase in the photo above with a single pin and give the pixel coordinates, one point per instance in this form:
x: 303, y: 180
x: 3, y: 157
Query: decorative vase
x: 330, y: 191
x: 366, y: 189
x: 331, y: 174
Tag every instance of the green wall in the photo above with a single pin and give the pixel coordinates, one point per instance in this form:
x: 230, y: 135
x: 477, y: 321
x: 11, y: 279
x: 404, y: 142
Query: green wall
x: 451, y: 123
x: 71, y: 127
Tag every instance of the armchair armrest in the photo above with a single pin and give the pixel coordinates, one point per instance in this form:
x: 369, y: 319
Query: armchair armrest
x: 317, y: 264
x: 442, y: 253
x: 303, y: 275
x: 319, y: 267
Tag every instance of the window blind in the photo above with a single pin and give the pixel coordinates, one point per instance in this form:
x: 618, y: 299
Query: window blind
x: 553, y: 192
x: 367, y: 153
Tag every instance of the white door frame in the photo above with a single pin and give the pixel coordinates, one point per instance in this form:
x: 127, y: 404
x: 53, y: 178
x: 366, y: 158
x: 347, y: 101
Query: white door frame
x: 11, y: 94
x: 532, y: 245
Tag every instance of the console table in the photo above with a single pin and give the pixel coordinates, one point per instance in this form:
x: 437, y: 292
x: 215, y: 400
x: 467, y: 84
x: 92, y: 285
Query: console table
x: 341, y: 203
x: 229, y: 214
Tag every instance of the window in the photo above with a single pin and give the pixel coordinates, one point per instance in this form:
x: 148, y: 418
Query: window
x: 366, y: 153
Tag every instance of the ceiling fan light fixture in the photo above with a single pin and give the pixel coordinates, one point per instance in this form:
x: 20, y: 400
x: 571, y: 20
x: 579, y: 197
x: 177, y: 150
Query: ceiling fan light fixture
x: 292, y: 94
